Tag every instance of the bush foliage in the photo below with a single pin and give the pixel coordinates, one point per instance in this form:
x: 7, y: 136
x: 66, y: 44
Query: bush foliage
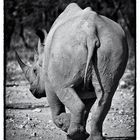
x: 23, y: 17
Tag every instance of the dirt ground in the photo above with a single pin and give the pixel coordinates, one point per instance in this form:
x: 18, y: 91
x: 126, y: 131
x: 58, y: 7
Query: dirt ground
x: 27, y: 118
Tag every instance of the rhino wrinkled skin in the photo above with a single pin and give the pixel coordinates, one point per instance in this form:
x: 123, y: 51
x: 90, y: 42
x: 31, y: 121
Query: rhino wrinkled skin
x: 79, y: 65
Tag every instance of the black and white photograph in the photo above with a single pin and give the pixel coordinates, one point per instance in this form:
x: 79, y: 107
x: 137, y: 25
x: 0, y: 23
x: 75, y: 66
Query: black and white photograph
x: 69, y: 70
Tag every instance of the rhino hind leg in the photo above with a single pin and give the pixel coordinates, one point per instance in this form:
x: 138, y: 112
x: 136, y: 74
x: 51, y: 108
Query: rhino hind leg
x: 104, y: 94
x: 99, y: 111
x: 63, y: 120
x: 88, y: 104
x: 70, y: 99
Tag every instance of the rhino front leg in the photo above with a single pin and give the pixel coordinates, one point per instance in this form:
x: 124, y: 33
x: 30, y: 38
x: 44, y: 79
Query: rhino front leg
x: 59, y: 116
x: 63, y: 121
x: 70, y: 99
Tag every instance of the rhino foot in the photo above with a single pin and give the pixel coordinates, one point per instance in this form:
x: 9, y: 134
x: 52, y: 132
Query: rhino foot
x: 63, y: 121
x: 77, y: 132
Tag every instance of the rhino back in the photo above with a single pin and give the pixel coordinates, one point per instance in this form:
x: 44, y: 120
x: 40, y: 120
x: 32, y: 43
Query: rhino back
x: 56, y: 28
x: 70, y: 11
x: 68, y: 55
x: 113, y: 51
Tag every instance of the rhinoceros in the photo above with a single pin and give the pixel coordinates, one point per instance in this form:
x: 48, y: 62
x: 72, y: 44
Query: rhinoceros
x: 79, y: 65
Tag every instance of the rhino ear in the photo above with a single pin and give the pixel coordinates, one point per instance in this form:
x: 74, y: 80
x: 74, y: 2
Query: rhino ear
x: 42, y: 34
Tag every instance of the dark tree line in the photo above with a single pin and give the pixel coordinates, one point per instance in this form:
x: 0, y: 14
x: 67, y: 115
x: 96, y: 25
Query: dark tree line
x: 33, y: 14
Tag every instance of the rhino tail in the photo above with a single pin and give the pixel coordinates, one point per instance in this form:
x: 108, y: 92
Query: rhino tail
x: 91, y: 45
